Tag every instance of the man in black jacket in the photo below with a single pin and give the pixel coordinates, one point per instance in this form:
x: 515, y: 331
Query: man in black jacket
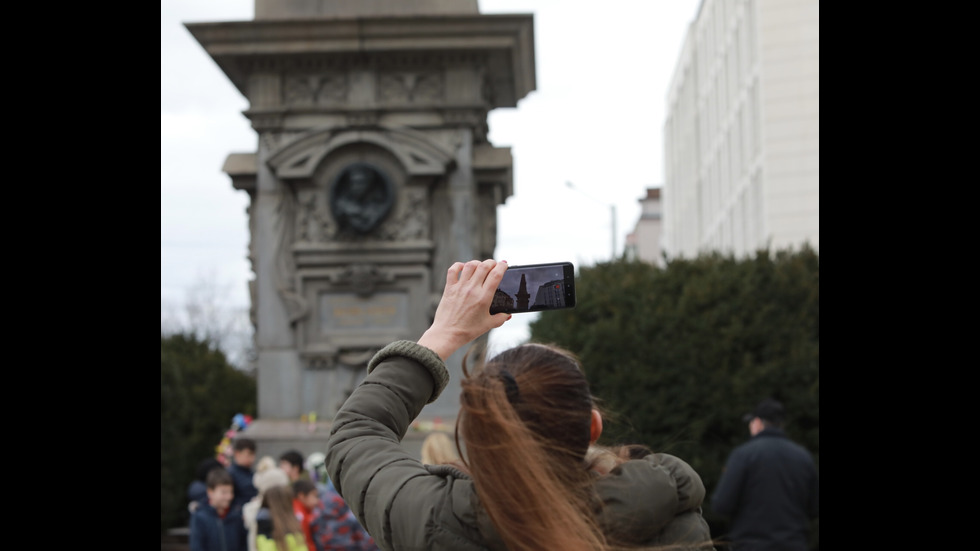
x: 769, y: 487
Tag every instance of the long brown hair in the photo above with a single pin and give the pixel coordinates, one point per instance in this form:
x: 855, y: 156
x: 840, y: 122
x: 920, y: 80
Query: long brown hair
x: 525, y: 417
x: 279, y: 501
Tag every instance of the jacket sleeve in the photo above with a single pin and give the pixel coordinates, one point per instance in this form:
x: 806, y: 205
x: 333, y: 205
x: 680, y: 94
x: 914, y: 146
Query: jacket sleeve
x: 390, y: 492
x: 196, y: 534
x: 725, y: 497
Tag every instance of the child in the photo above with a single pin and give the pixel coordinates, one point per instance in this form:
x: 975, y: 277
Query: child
x: 306, y: 499
x: 242, y: 459
x: 215, y: 525
x: 278, y: 527
x: 267, y: 475
x: 197, y: 490
x: 438, y: 449
x: 334, y: 526
x: 292, y: 462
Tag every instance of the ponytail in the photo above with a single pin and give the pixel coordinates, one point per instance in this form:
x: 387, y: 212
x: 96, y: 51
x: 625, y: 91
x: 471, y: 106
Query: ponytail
x: 524, y: 418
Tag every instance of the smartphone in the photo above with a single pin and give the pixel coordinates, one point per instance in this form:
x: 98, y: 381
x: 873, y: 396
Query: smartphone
x: 535, y: 288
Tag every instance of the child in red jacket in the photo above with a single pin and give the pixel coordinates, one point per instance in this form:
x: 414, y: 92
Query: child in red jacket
x: 305, y: 501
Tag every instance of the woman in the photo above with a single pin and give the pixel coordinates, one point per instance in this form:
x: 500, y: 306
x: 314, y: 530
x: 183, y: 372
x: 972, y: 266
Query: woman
x: 528, y: 480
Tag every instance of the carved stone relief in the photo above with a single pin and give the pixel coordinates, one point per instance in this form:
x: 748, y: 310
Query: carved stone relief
x: 410, y: 87
x: 409, y: 221
x: 276, y: 140
x: 361, y: 196
x: 363, y: 278
x: 296, y: 306
x: 412, y: 221
x: 319, y: 89
x: 314, y: 224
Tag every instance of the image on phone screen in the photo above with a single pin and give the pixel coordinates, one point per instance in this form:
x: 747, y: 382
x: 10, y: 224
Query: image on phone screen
x: 535, y: 288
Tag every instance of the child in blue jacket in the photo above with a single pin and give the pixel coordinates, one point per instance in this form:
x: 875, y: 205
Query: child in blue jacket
x: 215, y: 524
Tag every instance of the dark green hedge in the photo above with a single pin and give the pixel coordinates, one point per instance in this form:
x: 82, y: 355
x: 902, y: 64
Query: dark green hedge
x: 677, y: 355
x: 200, y: 393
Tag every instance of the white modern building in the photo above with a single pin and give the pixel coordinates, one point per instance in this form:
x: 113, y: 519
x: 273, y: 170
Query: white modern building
x: 742, y: 135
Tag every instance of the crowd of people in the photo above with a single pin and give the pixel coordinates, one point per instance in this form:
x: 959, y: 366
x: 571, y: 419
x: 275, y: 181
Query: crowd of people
x: 270, y: 505
x: 533, y: 476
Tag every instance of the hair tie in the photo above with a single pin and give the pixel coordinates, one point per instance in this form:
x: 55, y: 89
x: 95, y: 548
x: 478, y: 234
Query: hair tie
x: 510, y: 386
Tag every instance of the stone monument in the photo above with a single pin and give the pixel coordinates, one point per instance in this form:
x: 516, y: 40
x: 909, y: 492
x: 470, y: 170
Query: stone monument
x: 372, y: 175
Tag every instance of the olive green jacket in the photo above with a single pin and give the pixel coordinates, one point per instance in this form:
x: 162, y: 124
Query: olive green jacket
x: 408, y: 506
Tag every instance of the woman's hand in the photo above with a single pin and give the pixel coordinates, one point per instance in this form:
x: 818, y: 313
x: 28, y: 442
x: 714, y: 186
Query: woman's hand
x: 463, y: 313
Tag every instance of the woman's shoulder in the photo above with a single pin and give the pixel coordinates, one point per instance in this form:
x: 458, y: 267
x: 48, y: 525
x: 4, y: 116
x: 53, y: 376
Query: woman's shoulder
x: 640, y: 497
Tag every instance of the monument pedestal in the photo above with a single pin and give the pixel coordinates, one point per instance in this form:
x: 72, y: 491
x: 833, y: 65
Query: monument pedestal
x: 373, y: 173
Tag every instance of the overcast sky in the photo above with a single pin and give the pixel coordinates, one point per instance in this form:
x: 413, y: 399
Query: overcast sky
x: 595, y: 119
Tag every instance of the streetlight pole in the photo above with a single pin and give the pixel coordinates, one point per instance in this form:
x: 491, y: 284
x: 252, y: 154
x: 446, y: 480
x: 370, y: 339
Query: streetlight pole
x: 612, y: 210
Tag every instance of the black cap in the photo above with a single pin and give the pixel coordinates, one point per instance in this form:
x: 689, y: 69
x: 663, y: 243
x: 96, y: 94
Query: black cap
x: 768, y: 410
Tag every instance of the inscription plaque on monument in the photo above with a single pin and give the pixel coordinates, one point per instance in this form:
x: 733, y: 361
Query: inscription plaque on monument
x: 381, y: 311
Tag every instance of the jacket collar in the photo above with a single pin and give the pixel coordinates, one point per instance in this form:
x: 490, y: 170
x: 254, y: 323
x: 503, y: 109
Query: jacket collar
x: 772, y: 432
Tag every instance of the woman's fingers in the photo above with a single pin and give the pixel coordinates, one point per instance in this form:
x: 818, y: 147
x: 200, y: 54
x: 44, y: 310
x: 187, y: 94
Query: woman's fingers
x: 452, y: 276
x: 495, y: 276
x: 474, y: 281
x: 478, y: 276
x: 469, y: 269
x: 475, y: 272
x: 499, y: 319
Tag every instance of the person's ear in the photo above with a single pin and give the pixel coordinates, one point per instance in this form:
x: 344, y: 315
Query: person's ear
x: 596, y: 429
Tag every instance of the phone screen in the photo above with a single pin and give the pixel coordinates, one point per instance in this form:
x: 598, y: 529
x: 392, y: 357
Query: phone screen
x: 535, y: 288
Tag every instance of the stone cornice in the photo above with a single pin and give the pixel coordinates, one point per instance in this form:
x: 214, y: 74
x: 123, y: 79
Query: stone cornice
x: 242, y: 168
x: 506, y: 41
